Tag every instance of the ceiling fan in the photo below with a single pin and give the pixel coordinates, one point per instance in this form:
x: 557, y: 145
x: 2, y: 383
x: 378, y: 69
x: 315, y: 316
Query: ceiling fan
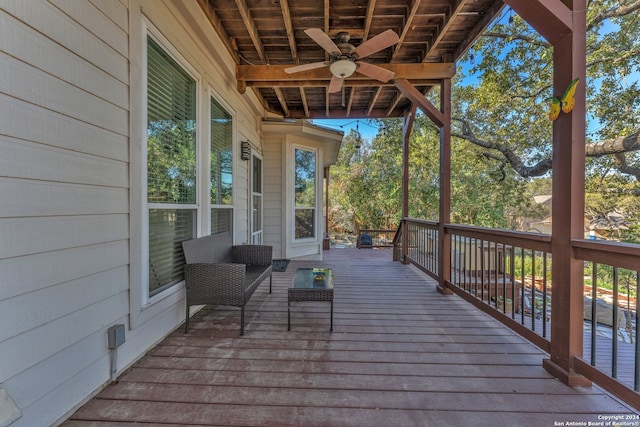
x: 345, y: 57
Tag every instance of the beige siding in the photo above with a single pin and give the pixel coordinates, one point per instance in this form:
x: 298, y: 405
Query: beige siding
x: 70, y: 96
x: 64, y: 250
x: 274, y: 215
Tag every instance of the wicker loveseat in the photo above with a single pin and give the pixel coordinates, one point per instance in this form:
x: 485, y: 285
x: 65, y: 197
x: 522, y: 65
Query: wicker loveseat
x: 219, y: 273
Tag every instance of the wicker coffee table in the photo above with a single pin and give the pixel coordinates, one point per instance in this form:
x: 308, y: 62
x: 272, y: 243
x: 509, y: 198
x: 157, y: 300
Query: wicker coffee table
x: 311, y: 284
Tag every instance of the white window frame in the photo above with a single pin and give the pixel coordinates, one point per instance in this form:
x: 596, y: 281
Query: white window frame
x: 206, y: 160
x: 295, y: 147
x: 253, y: 233
x: 143, y: 307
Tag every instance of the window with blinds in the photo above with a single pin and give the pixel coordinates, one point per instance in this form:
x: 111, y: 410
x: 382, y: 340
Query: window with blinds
x: 171, y: 165
x: 221, y: 168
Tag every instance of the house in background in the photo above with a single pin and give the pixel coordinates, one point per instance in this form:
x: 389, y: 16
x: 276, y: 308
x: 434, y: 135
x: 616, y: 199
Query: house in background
x: 123, y: 133
x: 600, y: 228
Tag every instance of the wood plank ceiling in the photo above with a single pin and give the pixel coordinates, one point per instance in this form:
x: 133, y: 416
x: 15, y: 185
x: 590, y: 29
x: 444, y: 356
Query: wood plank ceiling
x: 267, y: 36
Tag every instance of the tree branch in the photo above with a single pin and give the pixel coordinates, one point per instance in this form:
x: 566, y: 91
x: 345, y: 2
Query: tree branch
x: 621, y: 163
x: 620, y: 145
x: 521, y: 37
x: 510, y: 157
x: 617, y: 147
x: 613, y: 13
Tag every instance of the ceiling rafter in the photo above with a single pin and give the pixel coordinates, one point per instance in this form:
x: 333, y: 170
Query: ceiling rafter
x: 448, y: 21
x: 250, y: 25
x: 374, y: 98
x: 282, y: 100
x: 405, y: 29
x: 350, y: 102
x: 367, y: 20
x: 288, y: 25
x: 475, y: 32
x: 219, y: 28
x: 394, y: 103
x: 371, y: 6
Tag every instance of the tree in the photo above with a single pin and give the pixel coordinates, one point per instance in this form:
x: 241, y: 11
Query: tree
x: 504, y: 114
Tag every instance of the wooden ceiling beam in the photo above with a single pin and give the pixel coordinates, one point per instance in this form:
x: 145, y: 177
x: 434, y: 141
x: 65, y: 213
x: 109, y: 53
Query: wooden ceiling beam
x: 326, y: 24
x: 288, y: 25
x: 407, y: 26
x: 367, y: 20
x: 217, y: 26
x: 283, y: 101
x: 377, y: 113
x: 325, y: 83
x: 448, y: 21
x: 553, y: 20
x: 420, y: 101
x: 394, y: 103
x: 352, y: 94
x: 250, y: 25
x: 275, y: 73
x: 374, y: 99
x: 480, y: 26
x: 305, y: 104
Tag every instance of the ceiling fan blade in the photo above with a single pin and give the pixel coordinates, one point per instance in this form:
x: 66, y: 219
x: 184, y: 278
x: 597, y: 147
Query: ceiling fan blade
x: 376, y: 44
x: 323, y: 40
x: 336, y: 84
x: 305, y: 67
x: 374, y: 71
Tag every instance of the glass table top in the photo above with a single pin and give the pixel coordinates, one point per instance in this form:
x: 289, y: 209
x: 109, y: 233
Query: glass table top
x: 313, y: 278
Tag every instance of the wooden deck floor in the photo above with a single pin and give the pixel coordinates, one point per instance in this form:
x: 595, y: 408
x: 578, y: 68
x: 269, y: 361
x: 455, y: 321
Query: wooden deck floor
x: 401, y: 354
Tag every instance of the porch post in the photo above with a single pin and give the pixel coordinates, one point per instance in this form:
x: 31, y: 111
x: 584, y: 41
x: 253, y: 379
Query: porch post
x: 569, y: 59
x: 444, y: 241
x: 407, y: 125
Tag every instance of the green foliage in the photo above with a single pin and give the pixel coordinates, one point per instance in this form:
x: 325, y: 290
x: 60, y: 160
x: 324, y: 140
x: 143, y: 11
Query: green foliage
x: 171, y: 160
x: 627, y: 279
x: 504, y: 134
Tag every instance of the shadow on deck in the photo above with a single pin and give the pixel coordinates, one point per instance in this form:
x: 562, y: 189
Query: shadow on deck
x: 400, y: 354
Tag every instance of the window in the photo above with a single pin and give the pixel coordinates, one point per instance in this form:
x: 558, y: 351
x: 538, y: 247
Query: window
x: 256, y: 199
x: 305, y: 194
x: 221, y: 168
x: 171, y: 165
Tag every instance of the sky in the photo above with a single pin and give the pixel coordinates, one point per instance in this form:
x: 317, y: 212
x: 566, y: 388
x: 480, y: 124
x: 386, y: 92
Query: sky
x: 364, y: 126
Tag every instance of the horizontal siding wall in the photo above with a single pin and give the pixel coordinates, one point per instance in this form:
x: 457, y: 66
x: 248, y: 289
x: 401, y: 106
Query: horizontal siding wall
x: 67, y: 181
x: 64, y: 187
x: 274, y: 215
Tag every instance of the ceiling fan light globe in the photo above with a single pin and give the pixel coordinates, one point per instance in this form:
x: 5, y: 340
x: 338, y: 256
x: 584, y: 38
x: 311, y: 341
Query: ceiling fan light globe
x: 343, y: 68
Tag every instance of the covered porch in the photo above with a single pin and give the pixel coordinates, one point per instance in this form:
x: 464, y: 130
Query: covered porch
x: 401, y: 353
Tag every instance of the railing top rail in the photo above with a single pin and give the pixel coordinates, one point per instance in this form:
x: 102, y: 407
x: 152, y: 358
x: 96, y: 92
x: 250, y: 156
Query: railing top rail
x: 432, y: 224
x: 397, y: 235
x: 617, y: 254
x: 536, y: 241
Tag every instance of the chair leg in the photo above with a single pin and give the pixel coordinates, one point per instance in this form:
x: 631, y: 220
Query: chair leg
x: 270, y: 282
x: 186, y: 321
x: 242, y: 321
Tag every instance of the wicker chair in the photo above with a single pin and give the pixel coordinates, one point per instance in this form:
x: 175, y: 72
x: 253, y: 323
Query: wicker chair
x: 218, y: 273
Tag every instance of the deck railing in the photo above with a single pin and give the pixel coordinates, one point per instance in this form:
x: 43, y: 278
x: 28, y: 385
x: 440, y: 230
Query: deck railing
x: 508, y: 275
x: 375, y: 238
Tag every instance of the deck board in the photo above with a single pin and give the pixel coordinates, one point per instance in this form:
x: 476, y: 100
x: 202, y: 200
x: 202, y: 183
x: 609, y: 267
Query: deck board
x: 400, y: 354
